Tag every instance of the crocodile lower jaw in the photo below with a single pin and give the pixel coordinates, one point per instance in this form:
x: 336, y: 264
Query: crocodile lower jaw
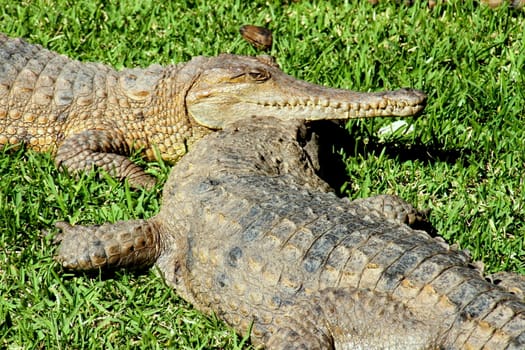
x: 310, y: 111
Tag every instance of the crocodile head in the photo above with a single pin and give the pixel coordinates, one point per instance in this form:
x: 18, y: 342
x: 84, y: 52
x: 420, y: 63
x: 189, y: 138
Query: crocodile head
x: 230, y: 87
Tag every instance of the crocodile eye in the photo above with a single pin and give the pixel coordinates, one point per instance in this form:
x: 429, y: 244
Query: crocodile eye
x: 259, y: 75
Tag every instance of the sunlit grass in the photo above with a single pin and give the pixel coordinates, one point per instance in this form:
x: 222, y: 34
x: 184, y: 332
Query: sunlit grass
x: 464, y: 158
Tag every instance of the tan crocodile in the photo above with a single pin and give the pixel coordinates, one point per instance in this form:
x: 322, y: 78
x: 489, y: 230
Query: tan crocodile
x: 248, y: 232
x: 91, y: 115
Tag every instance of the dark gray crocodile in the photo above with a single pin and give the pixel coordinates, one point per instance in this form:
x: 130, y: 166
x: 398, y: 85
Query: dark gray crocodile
x: 91, y: 115
x: 247, y: 231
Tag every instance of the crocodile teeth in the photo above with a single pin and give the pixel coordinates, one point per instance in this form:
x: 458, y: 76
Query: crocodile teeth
x: 344, y: 106
x: 364, y: 106
x: 383, y: 107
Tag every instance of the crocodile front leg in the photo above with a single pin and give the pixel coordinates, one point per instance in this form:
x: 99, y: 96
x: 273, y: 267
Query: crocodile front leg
x: 123, y: 244
x: 104, y: 150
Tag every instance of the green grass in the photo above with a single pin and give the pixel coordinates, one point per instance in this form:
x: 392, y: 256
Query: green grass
x: 464, y: 158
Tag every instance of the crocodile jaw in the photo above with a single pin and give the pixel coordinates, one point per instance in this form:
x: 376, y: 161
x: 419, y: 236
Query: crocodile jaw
x: 215, y: 110
x: 249, y: 86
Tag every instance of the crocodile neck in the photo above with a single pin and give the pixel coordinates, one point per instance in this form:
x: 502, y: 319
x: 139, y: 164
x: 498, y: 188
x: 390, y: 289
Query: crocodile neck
x: 162, y: 123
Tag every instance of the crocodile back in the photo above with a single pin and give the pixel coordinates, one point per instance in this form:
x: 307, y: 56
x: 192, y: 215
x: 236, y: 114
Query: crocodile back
x: 262, y: 237
x: 46, y: 97
x: 42, y: 92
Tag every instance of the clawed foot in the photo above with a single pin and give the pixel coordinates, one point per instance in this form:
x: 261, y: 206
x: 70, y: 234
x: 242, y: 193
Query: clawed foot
x: 395, y: 208
x: 511, y: 281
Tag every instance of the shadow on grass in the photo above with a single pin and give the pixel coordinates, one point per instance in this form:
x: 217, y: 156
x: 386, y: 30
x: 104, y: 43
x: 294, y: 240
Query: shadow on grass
x: 328, y: 136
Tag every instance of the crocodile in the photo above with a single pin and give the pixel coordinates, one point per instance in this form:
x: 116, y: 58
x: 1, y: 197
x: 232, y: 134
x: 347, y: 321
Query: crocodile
x: 249, y: 232
x: 91, y: 115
